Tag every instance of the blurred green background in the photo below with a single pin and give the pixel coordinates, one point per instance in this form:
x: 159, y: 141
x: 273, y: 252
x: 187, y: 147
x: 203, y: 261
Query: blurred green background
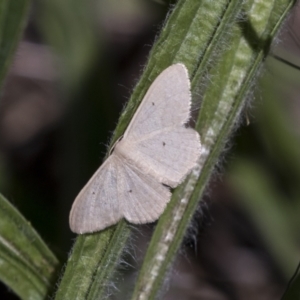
x: 73, y: 72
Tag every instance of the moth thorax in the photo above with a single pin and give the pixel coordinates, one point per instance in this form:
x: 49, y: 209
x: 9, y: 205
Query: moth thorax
x: 123, y: 149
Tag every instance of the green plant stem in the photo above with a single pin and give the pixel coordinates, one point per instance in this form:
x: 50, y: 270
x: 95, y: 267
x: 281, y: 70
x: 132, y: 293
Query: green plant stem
x: 194, y: 34
x: 179, y: 41
x: 184, y: 24
x: 231, y: 80
x: 90, y: 264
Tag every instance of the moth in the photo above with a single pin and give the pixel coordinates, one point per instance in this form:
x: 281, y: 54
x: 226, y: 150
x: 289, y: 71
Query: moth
x: 155, y: 154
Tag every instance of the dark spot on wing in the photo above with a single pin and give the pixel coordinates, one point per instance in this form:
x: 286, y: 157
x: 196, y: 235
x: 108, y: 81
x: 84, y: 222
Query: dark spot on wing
x: 93, y: 193
x: 130, y: 191
x: 153, y: 103
x: 164, y: 144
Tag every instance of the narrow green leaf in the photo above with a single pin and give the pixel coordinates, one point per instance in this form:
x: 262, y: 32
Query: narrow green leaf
x: 194, y: 34
x: 175, y: 44
x: 27, y: 266
x: 91, y: 264
x: 230, y: 82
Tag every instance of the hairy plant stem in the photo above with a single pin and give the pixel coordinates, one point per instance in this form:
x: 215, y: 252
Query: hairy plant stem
x: 197, y: 33
x: 224, y: 98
